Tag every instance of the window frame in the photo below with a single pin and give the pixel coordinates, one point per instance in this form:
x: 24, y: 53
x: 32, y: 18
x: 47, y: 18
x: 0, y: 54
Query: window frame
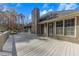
x: 74, y: 35
x: 61, y: 27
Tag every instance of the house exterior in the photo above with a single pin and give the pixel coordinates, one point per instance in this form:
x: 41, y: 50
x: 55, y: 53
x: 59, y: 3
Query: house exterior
x: 62, y: 25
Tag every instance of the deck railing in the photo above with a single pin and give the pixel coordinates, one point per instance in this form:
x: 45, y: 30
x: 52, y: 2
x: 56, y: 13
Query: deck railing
x: 3, y: 38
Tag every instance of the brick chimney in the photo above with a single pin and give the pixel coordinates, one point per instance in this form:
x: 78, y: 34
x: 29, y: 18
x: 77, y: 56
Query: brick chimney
x: 35, y: 19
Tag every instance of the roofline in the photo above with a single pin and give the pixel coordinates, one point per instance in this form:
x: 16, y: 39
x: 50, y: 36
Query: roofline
x: 56, y: 11
x: 69, y: 16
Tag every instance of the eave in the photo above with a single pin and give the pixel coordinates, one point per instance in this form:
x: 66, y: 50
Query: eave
x: 69, y: 16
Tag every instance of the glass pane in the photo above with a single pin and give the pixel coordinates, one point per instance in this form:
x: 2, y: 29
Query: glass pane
x: 69, y: 27
x: 59, y: 27
x: 70, y: 22
x: 59, y: 30
x: 69, y: 31
x: 59, y: 24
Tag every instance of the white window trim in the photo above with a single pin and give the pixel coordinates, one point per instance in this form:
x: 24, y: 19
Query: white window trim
x: 59, y: 35
x: 75, y: 25
x: 47, y: 29
x: 56, y: 32
x: 74, y: 36
x: 55, y: 27
x: 63, y: 27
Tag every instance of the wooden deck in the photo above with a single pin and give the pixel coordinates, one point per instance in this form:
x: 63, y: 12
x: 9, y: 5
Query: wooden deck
x: 39, y: 47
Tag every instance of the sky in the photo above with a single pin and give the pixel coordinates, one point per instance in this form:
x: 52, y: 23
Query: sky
x: 26, y: 8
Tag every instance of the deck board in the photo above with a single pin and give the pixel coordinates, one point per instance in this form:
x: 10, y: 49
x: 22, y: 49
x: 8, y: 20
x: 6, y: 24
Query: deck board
x: 49, y: 47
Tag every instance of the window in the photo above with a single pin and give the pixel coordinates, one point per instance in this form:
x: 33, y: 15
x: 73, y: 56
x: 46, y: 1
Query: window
x: 59, y: 27
x: 66, y: 27
x: 69, y: 27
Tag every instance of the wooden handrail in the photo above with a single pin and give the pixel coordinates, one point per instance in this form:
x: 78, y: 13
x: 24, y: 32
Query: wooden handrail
x: 3, y: 38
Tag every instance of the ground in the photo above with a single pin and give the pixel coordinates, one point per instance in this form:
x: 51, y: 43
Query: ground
x: 31, y: 45
x: 25, y: 44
